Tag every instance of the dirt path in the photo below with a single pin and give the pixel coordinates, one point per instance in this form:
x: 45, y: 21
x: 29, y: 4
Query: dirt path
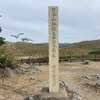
x: 76, y: 75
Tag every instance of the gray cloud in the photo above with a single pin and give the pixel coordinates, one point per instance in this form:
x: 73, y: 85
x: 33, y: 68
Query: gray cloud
x: 78, y: 19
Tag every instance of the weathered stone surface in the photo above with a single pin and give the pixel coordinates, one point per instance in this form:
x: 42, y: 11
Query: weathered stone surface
x: 33, y: 97
x: 18, y: 71
x: 63, y: 85
x: 86, y: 61
x: 76, y: 97
x: 9, y: 72
x: 53, y: 50
x: 73, y: 95
x: 34, y: 68
x: 97, y: 85
x: 92, y: 77
x: 46, y: 95
x: 1, y: 72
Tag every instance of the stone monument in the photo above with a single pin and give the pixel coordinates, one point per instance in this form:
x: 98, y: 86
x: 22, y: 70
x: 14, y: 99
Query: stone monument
x: 53, y: 50
x: 53, y: 92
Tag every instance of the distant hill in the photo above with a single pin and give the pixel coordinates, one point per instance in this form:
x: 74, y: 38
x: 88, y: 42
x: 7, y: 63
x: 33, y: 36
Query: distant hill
x: 63, y: 44
x: 89, y: 45
x: 41, y: 50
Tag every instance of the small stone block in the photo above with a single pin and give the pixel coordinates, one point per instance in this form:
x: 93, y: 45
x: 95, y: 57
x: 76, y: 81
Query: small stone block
x: 46, y: 95
x: 45, y: 89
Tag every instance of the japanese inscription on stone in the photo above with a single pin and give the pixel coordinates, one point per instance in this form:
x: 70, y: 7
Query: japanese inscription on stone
x: 53, y: 50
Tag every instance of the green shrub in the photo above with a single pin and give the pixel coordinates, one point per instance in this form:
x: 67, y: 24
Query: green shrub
x: 2, y: 40
x: 95, y: 52
x: 4, y: 62
x: 7, y: 59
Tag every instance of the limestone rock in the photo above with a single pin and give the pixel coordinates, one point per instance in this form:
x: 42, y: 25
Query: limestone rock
x: 18, y: 71
x: 1, y: 72
x: 33, y: 97
x: 86, y: 61
x: 97, y: 85
x: 9, y: 72
x: 63, y: 84
x: 76, y: 97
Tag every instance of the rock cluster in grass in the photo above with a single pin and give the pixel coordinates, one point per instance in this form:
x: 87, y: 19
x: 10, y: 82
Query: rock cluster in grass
x: 24, y: 69
x: 72, y: 95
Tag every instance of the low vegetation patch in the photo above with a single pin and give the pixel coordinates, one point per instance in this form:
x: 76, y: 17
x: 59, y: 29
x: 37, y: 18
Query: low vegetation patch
x: 95, y: 52
x: 7, y: 58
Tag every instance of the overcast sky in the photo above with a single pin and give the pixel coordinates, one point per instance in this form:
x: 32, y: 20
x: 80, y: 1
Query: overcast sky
x: 79, y: 20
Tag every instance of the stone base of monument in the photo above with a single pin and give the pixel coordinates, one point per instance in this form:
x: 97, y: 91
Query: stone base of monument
x: 46, y: 95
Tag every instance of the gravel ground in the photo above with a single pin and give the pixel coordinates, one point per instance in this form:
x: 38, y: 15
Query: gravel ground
x: 80, y: 78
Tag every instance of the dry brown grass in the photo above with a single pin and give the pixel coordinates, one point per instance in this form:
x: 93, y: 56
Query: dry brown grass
x: 71, y: 73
